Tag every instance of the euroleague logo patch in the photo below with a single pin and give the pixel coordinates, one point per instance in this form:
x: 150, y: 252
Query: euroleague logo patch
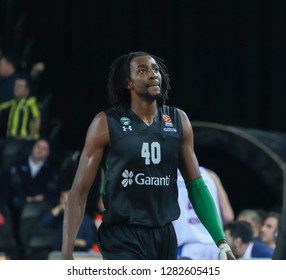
x: 166, y: 118
x: 168, y: 125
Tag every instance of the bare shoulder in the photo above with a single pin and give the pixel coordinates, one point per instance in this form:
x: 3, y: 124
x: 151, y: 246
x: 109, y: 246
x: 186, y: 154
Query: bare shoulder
x: 186, y: 124
x: 182, y: 113
x: 98, y: 123
x: 184, y: 117
x: 98, y: 130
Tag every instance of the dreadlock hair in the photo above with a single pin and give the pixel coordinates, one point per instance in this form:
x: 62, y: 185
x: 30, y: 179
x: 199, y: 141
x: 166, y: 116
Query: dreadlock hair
x: 119, y: 95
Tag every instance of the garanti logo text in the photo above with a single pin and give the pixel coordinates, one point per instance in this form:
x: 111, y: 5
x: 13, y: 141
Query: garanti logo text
x: 140, y: 179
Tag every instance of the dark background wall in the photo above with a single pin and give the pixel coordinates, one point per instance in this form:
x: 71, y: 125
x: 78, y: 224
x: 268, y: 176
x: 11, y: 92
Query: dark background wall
x: 226, y: 59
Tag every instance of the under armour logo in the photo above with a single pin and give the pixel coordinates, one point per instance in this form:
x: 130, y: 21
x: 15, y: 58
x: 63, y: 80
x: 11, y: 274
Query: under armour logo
x: 125, y: 128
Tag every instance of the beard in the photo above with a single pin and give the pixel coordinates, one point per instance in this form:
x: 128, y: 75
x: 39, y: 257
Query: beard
x: 151, y: 97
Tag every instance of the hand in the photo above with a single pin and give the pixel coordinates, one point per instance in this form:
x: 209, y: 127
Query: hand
x: 58, y: 209
x: 225, y: 252
x: 38, y: 68
x: 80, y: 243
x: 37, y: 198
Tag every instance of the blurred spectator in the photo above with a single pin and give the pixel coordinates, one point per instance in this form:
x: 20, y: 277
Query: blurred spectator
x: 37, y: 69
x: 194, y: 241
x: 34, y: 179
x: 3, y: 194
x: 253, y: 217
x: 269, y: 229
x: 240, y: 237
x: 7, y: 240
x: 38, y: 83
x: 280, y: 249
x: 54, y: 219
x: 8, y: 76
x: 24, y: 116
x: 3, y: 189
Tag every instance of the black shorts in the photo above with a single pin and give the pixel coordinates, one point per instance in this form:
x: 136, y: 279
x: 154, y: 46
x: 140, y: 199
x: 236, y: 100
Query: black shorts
x: 129, y: 242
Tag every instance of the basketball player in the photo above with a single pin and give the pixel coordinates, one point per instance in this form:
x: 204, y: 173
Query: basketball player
x: 142, y: 142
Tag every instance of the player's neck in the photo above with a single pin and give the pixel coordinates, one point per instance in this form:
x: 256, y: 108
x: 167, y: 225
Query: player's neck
x: 145, y: 111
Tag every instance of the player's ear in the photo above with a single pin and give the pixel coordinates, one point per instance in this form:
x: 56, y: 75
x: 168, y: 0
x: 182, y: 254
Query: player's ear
x: 129, y: 84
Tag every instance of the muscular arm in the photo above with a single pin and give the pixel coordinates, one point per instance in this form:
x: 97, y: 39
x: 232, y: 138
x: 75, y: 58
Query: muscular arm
x: 188, y: 163
x: 199, y: 195
x: 97, y: 138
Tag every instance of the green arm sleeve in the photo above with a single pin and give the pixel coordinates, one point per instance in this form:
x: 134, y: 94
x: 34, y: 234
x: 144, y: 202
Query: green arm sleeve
x: 205, y: 208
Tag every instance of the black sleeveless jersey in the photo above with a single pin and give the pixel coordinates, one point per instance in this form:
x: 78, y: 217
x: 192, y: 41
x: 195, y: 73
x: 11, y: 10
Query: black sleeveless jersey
x: 141, y: 168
